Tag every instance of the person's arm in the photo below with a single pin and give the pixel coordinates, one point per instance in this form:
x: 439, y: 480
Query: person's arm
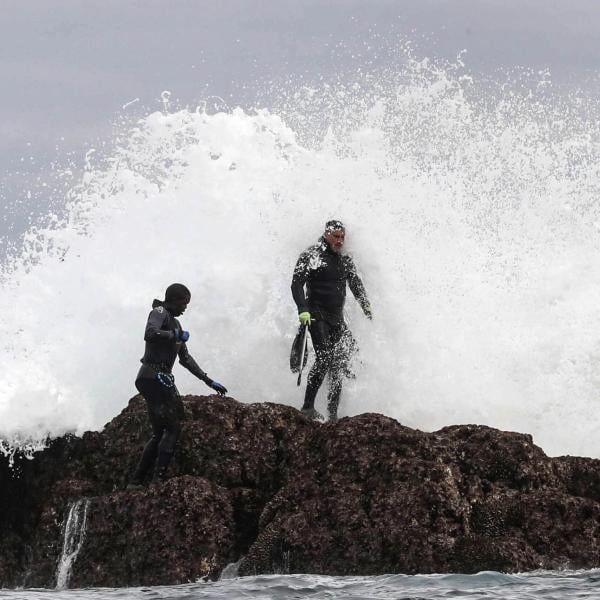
x: 357, y: 288
x: 153, y: 332
x: 299, y: 279
x: 187, y: 361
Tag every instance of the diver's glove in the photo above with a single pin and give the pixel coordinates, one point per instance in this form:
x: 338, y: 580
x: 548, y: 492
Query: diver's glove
x: 305, y: 318
x: 181, y: 335
x: 368, y: 312
x: 215, y: 385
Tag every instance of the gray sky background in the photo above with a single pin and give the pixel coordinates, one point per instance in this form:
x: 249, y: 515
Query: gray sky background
x: 67, y: 67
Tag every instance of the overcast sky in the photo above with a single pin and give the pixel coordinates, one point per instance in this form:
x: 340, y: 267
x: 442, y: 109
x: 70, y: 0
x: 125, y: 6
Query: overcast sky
x: 68, y: 67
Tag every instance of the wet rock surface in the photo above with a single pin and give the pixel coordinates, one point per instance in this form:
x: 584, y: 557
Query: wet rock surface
x: 261, y: 483
x: 173, y: 532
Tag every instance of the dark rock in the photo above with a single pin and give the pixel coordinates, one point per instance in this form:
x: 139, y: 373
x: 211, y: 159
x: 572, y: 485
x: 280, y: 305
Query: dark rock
x: 581, y: 476
x: 474, y: 553
x: 174, y: 532
x: 365, y: 495
x: 241, y: 449
x: 368, y: 496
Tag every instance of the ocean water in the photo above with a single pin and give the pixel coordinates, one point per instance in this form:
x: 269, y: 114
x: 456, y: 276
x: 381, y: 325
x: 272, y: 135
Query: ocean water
x: 471, y: 210
x: 487, y: 585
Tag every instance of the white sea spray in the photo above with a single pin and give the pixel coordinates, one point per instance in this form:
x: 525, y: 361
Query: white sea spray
x: 471, y: 213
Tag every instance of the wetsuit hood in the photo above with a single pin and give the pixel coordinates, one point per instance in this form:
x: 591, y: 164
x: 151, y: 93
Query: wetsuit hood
x: 334, y: 224
x: 176, y: 292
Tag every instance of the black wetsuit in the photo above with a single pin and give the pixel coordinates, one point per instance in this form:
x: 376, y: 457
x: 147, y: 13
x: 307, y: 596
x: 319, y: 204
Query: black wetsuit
x: 325, y: 274
x: 156, y: 384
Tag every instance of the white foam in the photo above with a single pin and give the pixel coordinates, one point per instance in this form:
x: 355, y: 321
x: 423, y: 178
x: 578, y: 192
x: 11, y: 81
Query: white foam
x: 73, y: 538
x: 471, y: 215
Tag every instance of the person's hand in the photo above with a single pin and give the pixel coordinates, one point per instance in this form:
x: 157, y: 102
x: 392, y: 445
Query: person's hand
x: 305, y: 318
x: 220, y: 389
x: 368, y: 312
x: 181, y: 335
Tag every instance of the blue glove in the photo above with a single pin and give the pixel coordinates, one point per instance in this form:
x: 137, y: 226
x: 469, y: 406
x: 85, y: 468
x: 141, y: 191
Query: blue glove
x: 220, y: 389
x: 181, y: 335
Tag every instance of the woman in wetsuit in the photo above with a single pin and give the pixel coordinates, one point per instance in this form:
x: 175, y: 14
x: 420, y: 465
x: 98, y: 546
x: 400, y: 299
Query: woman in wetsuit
x: 165, y: 341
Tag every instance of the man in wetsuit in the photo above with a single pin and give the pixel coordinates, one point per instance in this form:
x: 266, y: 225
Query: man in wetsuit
x: 165, y: 341
x: 324, y: 271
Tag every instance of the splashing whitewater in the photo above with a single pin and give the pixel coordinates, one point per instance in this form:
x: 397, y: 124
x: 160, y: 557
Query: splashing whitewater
x: 471, y: 212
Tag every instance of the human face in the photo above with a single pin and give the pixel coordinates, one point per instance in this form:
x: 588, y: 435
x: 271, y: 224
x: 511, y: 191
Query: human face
x: 335, y: 238
x: 178, y: 306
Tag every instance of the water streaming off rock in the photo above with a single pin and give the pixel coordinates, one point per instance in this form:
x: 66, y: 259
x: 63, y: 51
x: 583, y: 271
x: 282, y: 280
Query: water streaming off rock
x: 74, y: 536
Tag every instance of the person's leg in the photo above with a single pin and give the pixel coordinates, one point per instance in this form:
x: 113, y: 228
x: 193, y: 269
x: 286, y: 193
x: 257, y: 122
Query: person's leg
x: 172, y: 429
x: 319, y: 332
x: 343, y: 347
x: 334, y: 394
x: 150, y: 390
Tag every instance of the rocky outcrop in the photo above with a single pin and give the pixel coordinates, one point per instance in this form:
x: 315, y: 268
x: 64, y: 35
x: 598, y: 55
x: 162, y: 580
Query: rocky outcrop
x: 231, y: 460
x: 260, y: 483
